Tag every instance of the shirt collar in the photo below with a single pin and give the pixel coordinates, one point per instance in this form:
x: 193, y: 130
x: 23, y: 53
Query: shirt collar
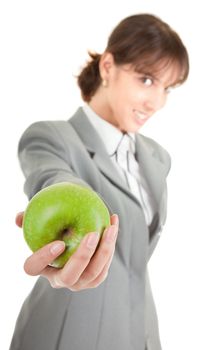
x: 110, y: 135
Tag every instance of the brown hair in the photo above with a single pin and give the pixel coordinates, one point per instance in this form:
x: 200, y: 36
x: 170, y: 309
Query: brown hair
x: 142, y: 40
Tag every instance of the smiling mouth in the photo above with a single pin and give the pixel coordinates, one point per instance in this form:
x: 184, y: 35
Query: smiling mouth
x: 139, y: 115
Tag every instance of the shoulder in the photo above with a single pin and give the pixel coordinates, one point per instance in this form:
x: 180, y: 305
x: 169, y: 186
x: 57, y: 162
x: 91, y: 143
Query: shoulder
x: 50, y: 131
x: 52, y: 127
x: 48, y: 126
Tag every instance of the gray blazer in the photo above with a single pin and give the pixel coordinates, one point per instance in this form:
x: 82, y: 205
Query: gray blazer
x: 120, y: 313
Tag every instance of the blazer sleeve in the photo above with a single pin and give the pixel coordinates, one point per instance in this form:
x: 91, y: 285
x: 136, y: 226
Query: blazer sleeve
x: 44, y: 159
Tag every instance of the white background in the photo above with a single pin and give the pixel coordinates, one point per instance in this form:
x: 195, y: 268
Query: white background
x: 43, y: 45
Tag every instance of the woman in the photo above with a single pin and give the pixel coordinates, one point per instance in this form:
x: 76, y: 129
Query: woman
x: 104, y: 300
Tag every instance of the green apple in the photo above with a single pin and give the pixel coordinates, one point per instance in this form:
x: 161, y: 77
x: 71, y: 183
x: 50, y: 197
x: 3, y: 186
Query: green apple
x: 63, y: 211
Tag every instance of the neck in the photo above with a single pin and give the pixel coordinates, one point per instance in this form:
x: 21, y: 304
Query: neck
x: 100, y: 106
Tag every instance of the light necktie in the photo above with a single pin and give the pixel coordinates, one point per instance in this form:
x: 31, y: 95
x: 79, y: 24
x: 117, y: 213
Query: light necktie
x: 125, y: 157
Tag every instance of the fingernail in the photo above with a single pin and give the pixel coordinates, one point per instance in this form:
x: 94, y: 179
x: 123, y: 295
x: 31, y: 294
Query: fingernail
x: 92, y: 240
x: 111, y: 233
x: 57, y: 248
x: 117, y: 219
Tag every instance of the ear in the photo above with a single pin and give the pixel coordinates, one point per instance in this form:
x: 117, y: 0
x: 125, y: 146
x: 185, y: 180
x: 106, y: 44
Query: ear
x: 106, y: 65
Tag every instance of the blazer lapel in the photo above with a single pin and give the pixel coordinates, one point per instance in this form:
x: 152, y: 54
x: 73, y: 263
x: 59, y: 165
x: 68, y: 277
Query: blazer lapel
x: 97, y: 151
x: 155, y: 173
x: 153, y: 169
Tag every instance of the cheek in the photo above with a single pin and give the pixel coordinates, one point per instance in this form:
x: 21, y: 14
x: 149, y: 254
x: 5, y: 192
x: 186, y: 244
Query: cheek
x: 124, y: 96
x: 116, y: 97
x: 163, y: 101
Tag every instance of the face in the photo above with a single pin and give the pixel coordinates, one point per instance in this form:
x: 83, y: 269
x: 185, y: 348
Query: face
x: 131, y: 98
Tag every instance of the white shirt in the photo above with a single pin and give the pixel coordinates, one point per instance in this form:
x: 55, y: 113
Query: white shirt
x: 111, y: 137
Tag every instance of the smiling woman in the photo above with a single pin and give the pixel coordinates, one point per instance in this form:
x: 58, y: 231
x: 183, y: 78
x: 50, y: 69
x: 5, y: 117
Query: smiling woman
x: 100, y: 148
x: 143, y: 60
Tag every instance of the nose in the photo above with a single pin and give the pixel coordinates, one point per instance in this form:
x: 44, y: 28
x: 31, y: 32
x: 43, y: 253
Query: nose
x: 155, y: 102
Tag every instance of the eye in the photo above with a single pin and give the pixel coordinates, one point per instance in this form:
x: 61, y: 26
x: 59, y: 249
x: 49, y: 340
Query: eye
x: 148, y: 81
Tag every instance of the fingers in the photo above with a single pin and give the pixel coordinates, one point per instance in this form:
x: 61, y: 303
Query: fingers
x: 87, y: 267
x: 102, y: 276
x: 101, y: 260
x: 19, y: 219
x: 36, y: 263
x: 115, y: 220
x: 73, y: 269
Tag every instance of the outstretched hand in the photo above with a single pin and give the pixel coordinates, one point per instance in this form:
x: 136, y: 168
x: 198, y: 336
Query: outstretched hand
x: 87, y: 267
